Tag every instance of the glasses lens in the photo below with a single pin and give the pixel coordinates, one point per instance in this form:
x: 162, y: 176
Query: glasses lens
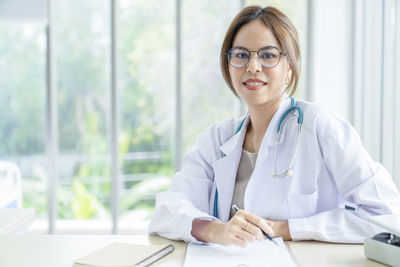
x: 238, y: 57
x: 269, y: 56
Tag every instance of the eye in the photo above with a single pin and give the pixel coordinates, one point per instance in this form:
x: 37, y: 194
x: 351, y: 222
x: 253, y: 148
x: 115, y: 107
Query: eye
x: 268, y: 55
x: 241, y: 55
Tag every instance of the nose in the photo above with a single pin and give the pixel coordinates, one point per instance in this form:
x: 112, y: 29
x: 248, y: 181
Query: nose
x: 254, y: 65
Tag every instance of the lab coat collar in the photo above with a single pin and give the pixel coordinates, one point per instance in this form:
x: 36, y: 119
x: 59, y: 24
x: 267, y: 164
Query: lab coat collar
x: 270, y: 135
x: 237, y: 139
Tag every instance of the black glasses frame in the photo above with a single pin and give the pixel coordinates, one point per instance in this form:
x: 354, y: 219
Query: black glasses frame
x: 229, y: 54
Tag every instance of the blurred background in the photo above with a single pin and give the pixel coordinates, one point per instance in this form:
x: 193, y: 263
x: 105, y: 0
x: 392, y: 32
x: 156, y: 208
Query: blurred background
x: 100, y: 99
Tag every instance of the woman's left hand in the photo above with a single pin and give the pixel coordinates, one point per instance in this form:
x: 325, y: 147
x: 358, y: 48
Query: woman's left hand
x: 280, y: 228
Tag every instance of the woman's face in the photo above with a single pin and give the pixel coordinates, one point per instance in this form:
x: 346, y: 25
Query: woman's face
x: 254, y: 83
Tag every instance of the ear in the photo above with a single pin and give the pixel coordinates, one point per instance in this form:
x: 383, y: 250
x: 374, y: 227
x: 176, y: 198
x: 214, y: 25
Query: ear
x: 289, y: 72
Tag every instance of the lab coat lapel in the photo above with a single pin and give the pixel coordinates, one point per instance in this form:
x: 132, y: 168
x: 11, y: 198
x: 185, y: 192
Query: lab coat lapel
x: 225, y: 170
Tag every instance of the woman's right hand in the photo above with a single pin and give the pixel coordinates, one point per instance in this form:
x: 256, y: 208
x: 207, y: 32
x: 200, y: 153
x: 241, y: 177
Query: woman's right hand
x: 243, y: 227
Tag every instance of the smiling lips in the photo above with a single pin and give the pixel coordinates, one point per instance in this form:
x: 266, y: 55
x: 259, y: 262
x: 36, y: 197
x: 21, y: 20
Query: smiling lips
x: 254, y: 84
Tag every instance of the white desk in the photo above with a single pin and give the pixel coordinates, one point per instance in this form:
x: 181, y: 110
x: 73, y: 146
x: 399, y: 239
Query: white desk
x: 62, y: 250
x: 313, y: 253
x: 15, y: 220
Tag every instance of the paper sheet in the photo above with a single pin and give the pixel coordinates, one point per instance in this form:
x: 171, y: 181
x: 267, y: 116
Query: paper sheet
x: 258, y: 253
x: 118, y: 255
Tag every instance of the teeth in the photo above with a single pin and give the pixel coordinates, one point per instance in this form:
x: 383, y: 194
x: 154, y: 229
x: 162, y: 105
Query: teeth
x: 255, y: 84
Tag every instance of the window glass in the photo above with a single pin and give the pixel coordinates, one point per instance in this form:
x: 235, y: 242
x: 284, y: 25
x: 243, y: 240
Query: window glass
x: 146, y: 84
x: 23, y: 109
x: 206, y: 98
x: 82, y: 49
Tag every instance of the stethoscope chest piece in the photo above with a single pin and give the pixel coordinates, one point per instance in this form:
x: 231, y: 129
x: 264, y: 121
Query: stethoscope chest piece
x: 284, y: 174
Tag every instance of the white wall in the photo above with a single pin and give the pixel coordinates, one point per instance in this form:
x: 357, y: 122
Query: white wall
x: 332, y: 55
x: 354, y: 65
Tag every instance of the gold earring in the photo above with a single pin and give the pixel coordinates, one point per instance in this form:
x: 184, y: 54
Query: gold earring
x: 287, y: 81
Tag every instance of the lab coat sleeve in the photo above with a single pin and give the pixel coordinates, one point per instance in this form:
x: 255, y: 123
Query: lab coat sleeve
x: 189, y: 194
x: 364, y: 185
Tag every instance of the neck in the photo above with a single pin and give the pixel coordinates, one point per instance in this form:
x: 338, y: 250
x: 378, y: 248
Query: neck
x: 261, y: 117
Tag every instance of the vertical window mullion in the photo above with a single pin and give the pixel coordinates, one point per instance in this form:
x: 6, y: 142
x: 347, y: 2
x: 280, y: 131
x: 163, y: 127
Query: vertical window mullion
x: 372, y: 98
x: 242, y: 105
x: 114, y: 121
x: 178, y: 93
x: 309, y: 84
x: 396, y: 99
x: 51, y: 120
x: 387, y: 86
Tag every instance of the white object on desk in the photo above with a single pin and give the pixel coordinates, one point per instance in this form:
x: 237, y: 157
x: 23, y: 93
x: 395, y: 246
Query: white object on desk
x: 385, y: 247
x: 15, y: 220
x: 258, y: 253
x: 10, y: 185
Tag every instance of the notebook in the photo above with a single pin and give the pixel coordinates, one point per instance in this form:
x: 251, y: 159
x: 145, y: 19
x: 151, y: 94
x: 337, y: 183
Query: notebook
x: 256, y: 254
x: 124, y: 255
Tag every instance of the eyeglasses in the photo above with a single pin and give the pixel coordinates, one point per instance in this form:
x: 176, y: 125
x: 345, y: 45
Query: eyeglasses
x: 268, y: 56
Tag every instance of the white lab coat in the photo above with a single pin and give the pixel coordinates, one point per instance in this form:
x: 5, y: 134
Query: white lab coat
x: 331, y: 170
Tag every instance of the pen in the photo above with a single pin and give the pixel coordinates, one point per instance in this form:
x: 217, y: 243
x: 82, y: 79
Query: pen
x: 264, y: 233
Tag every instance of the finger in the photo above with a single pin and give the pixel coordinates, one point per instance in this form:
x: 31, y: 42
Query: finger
x: 257, y: 221
x: 250, y: 228
x: 242, y: 243
x: 270, y: 224
x: 267, y: 229
x: 241, y: 232
x: 237, y: 226
x: 248, y: 216
x: 256, y: 232
x: 236, y: 240
x: 247, y: 227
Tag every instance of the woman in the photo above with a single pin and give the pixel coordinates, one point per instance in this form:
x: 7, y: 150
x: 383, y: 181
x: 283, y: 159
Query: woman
x: 324, y: 184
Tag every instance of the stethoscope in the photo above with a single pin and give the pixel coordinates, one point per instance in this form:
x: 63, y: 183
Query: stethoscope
x: 282, y: 122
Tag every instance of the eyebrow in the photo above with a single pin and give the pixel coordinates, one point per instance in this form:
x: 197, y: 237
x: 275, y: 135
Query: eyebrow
x: 268, y: 46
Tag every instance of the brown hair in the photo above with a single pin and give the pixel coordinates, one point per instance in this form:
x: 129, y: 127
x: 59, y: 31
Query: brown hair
x: 283, y: 30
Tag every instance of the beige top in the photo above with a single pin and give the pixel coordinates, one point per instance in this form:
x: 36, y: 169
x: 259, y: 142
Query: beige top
x: 245, y: 169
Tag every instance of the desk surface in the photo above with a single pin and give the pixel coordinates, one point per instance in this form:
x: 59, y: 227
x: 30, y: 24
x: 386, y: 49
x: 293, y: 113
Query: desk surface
x: 62, y: 250
x: 15, y: 220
